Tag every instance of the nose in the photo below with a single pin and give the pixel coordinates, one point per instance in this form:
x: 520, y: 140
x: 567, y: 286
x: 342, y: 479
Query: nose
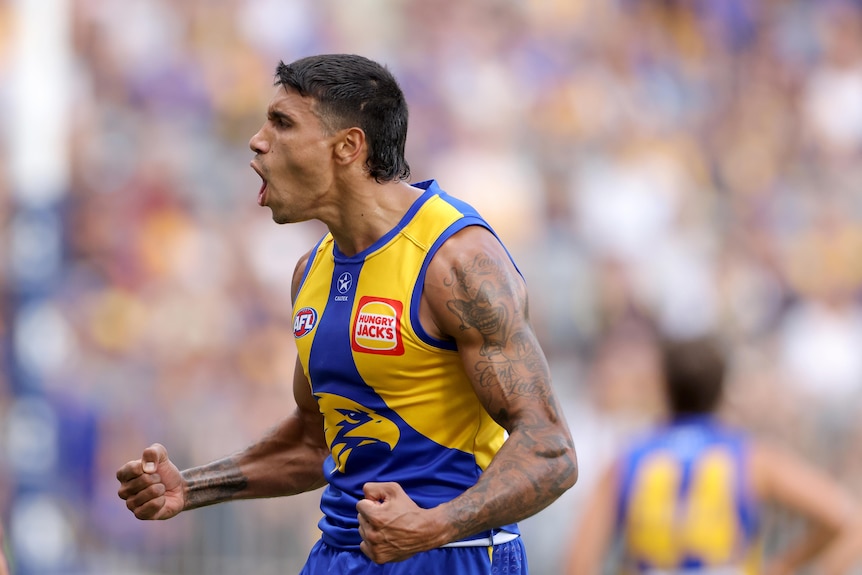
x: 257, y: 143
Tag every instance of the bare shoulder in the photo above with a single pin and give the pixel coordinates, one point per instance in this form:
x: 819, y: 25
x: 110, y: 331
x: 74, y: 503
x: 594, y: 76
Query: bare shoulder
x: 760, y: 457
x: 471, y: 282
x: 298, y: 271
x: 781, y: 475
x: 769, y: 460
x: 474, y: 245
x: 476, y: 296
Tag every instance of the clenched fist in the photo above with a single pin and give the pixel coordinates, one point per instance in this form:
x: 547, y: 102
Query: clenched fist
x: 152, y: 486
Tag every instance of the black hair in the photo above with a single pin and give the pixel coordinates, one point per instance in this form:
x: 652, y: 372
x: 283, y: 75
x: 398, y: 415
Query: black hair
x: 694, y: 373
x: 352, y: 90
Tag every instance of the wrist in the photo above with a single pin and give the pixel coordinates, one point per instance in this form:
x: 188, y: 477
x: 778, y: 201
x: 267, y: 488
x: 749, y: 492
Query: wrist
x: 215, y: 482
x: 448, y: 524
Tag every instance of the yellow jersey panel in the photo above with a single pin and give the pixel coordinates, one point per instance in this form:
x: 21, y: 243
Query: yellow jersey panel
x: 396, y: 402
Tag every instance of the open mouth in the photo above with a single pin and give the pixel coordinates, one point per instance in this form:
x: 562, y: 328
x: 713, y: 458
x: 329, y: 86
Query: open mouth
x: 261, y: 194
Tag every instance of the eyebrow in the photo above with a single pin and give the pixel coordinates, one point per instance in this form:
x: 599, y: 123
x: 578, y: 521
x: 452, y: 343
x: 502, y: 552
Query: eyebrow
x: 273, y: 114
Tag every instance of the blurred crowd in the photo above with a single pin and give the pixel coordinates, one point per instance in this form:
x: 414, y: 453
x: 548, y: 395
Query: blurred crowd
x: 687, y: 164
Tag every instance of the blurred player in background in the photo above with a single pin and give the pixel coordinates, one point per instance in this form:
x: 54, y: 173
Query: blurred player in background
x: 424, y: 401
x: 688, y: 498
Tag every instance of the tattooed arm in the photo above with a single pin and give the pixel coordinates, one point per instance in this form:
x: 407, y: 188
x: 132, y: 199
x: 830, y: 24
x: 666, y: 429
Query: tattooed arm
x: 287, y: 460
x: 486, y: 312
x: 474, y: 294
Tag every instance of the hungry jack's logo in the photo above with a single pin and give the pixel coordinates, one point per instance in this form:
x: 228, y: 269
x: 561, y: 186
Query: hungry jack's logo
x: 377, y: 326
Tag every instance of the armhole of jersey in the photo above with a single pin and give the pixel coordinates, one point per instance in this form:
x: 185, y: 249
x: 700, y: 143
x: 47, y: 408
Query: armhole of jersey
x: 455, y: 227
x: 749, y: 511
x: 308, y: 264
x: 624, y: 477
x: 627, y: 468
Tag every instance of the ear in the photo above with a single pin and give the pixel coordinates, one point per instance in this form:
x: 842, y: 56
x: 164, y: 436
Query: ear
x: 350, y: 146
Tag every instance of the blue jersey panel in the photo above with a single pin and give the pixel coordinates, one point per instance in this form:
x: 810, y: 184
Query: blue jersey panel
x: 506, y: 559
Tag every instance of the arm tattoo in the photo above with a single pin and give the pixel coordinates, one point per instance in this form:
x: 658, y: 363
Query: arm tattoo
x: 475, y: 302
x: 511, y: 490
x: 481, y: 301
x: 530, y: 472
x: 213, y: 483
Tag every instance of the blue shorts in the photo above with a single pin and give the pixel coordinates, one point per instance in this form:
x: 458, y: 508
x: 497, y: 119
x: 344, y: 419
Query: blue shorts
x: 506, y: 559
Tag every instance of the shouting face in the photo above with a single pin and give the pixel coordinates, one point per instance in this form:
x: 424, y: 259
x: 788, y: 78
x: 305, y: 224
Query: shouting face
x: 294, y: 158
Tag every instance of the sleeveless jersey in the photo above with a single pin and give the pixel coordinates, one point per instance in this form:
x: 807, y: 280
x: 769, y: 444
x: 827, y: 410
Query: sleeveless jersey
x: 396, y: 402
x: 686, y: 505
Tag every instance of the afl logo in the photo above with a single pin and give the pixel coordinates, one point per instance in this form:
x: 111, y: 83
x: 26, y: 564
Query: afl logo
x: 304, y: 321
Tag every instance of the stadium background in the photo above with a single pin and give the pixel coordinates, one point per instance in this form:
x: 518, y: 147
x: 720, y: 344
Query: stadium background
x: 695, y: 162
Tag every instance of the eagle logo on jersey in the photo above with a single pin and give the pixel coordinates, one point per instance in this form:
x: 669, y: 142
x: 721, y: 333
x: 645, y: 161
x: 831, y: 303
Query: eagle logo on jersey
x: 349, y: 425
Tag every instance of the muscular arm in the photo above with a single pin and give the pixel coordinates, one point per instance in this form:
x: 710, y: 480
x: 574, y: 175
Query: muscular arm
x: 475, y: 295
x: 286, y: 460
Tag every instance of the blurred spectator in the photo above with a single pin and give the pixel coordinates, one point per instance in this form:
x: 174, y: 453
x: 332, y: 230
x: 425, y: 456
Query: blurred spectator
x: 695, y: 163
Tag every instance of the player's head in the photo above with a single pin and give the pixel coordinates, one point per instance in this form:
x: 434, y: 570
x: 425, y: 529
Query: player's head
x: 353, y: 91
x: 694, y: 372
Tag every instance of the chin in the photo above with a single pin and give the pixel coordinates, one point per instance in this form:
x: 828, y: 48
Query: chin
x: 281, y: 219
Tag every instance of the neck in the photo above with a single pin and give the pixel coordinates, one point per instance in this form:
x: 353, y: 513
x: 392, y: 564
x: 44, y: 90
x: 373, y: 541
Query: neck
x: 366, y: 213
